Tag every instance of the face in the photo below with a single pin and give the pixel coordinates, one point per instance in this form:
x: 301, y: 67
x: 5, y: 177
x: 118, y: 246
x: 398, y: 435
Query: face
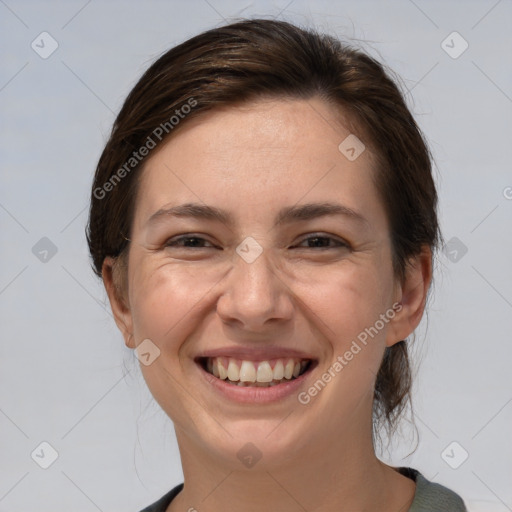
x: 275, y: 289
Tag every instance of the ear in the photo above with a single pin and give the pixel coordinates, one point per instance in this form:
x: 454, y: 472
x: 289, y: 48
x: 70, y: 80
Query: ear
x: 111, y: 274
x: 412, y: 296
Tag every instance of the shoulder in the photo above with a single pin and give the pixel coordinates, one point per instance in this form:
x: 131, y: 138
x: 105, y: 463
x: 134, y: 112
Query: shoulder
x: 432, y: 497
x: 429, y: 496
x: 162, y: 504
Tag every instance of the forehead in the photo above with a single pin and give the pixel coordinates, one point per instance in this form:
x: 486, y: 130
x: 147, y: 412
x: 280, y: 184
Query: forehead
x: 260, y: 155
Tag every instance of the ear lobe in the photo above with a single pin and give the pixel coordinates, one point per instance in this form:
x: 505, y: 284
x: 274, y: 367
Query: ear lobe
x: 412, y: 296
x: 118, y: 302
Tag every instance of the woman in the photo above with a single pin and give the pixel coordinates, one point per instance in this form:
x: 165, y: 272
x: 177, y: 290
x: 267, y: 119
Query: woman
x: 263, y: 217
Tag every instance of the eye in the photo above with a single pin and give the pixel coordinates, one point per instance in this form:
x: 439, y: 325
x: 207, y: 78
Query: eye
x: 191, y: 241
x: 324, y: 242
x: 188, y: 241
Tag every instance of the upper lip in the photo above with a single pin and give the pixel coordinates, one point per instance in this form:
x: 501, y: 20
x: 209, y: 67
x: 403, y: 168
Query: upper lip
x: 255, y: 354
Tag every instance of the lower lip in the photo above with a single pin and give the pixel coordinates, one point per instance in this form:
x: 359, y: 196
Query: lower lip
x: 251, y: 394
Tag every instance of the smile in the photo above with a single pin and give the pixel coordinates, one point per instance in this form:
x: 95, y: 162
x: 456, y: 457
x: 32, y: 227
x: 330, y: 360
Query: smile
x: 246, y: 373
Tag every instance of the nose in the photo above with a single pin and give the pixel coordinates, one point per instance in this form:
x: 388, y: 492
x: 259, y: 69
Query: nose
x: 255, y: 294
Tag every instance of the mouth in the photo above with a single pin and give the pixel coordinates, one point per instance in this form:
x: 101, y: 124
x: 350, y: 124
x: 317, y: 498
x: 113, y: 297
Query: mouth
x: 256, y: 374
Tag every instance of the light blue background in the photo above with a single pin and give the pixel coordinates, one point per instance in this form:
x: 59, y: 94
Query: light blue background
x: 66, y: 377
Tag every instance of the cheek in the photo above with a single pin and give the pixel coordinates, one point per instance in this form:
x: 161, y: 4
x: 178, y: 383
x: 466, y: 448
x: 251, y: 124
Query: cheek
x: 166, y: 304
x: 166, y: 301
x: 355, y: 301
x: 340, y: 299
x: 349, y: 300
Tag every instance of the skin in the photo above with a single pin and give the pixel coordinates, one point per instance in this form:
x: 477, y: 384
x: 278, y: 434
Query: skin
x: 252, y: 160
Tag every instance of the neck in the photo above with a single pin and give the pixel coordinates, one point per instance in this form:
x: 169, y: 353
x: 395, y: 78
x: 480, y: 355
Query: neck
x: 343, y: 474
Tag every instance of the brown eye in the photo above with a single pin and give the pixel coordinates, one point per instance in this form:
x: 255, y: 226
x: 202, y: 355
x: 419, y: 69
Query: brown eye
x: 323, y: 242
x: 188, y: 241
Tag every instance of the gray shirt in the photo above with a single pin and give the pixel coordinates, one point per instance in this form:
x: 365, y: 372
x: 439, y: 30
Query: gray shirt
x: 432, y: 497
x: 429, y: 496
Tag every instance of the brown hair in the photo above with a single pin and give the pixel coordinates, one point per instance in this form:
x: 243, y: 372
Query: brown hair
x: 257, y: 58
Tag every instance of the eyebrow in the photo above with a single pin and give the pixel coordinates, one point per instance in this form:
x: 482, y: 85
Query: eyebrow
x: 286, y: 215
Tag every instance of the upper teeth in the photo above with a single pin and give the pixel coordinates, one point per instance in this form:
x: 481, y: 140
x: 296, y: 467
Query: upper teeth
x: 255, y: 371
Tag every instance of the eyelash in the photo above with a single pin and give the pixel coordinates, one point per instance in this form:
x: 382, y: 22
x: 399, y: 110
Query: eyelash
x: 174, y: 242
